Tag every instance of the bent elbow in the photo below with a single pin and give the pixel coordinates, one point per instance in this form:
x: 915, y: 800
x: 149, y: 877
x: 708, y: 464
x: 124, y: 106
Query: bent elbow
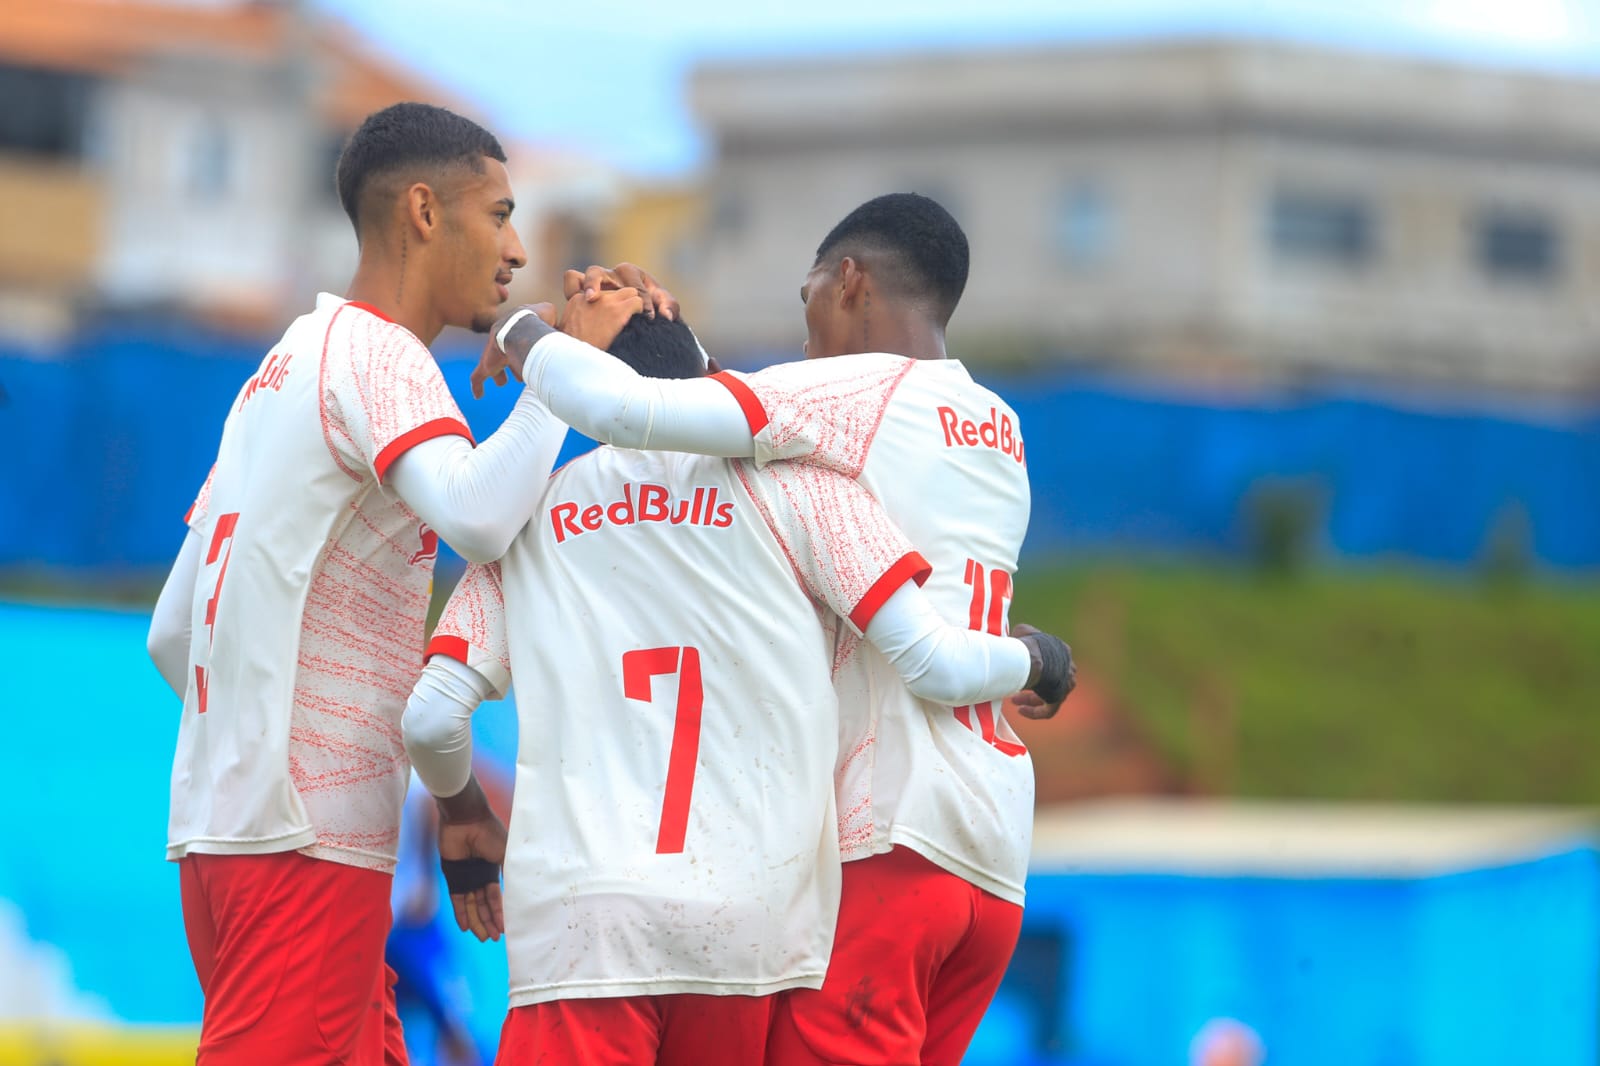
x: 421, y: 730
x: 477, y: 542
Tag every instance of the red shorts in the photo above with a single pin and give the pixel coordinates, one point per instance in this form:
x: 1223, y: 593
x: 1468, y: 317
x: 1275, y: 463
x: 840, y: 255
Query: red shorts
x: 680, y: 1030
x: 917, y: 956
x: 289, y: 952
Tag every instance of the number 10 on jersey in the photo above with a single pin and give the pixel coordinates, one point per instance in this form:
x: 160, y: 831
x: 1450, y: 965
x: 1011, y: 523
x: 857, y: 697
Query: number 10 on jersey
x: 991, y: 594
x: 638, y: 667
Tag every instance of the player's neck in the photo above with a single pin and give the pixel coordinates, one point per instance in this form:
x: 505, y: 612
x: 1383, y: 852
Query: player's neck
x: 400, y: 294
x: 907, y: 334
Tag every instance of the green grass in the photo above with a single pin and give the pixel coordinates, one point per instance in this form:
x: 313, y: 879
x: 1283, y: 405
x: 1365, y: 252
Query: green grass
x: 1343, y: 686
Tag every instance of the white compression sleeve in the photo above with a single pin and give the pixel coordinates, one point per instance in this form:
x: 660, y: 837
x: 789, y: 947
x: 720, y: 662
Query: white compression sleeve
x: 478, y: 498
x: 942, y: 663
x: 168, y: 641
x: 437, y: 724
x: 602, y: 397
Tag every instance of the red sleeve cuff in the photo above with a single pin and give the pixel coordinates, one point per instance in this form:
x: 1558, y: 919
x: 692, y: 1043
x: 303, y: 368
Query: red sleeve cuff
x: 448, y: 646
x: 439, y: 427
x: 910, y: 567
x: 754, y: 413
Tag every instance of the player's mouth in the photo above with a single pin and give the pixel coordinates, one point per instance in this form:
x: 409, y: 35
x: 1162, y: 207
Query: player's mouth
x: 501, y: 283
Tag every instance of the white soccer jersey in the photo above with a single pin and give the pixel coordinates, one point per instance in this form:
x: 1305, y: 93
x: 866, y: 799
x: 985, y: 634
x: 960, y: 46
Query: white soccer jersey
x: 944, y: 456
x: 672, y: 825
x: 311, y: 598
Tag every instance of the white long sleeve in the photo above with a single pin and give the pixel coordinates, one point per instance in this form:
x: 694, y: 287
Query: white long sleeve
x: 942, y: 663
x: 437, y: 724
x: 168, y: 640
x: 602, y: 397
x: 478, y: 498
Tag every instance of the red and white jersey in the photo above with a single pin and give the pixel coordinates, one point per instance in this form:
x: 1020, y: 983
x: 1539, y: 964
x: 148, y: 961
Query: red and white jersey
x: 944, y: 456
x: 672, y: 825
x: 311, y: 598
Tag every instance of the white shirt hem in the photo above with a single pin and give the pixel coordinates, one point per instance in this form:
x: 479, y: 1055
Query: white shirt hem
x: 1010, y: 891
x: 303, y: 841
x: 294, y: 840
x: 528, y: 995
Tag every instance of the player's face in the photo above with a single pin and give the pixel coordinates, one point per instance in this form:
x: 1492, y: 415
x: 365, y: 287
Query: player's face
x: 483, y: 248
x: 826, y: 328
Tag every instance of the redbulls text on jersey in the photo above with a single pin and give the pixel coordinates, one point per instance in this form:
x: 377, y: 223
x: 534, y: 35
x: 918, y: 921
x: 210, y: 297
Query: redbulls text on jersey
x: 654, y: 503
x: 270, y: 376
x: 997, y: 433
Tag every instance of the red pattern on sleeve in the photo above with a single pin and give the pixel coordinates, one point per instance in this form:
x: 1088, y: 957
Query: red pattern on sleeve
x: 843, y: 547
x: 202, y: 501
x: 472, y: 629
x: 825, y: 411
x: 382, y: 392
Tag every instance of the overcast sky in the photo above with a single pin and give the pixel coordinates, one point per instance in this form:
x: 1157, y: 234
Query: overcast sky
x: 609, y: 79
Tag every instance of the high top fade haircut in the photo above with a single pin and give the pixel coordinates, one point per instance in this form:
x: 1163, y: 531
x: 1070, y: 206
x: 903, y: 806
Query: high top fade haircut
x: 406, y: 143
x: 659, y: 348
x: 911, y: 245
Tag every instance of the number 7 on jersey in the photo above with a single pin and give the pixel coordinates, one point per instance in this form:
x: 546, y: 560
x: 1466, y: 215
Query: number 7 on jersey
x: 638, y: 667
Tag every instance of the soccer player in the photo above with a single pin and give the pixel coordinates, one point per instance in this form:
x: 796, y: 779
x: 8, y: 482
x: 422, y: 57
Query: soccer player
x: 673, y: 858
x: 292, y: 621
x: 935, y: 808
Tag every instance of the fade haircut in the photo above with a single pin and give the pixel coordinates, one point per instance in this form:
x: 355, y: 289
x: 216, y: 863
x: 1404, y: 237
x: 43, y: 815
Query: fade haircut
x: 659, y: 348
x: 412, y: 142
x: 913, y: 246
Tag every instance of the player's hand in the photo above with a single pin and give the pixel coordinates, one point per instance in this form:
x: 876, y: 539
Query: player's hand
x: 470, y: 830
x: 1058, y: 678
x: 597, y: 279
x: 479, y: 911
x: 598, y: 321
x: 495, y: 363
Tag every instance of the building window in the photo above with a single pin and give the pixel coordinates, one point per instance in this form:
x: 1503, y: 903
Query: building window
x: 1328, y: 229
x: 1518, y: 246
x: 44, y: 111
x: 1084, y: 225
x: 210, y: 160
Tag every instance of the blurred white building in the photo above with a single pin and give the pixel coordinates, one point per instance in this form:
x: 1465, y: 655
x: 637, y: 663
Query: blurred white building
x: 1231, y: 210
x: 174, y: 157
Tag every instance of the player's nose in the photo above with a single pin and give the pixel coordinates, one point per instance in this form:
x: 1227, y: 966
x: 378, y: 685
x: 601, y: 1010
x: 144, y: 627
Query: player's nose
x: 515, y: 255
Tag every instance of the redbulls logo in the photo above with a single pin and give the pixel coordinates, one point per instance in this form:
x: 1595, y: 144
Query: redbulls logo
x: 430, y: 545
x: 654, y: 504
x: 270, y: 376
x: 997, y: 433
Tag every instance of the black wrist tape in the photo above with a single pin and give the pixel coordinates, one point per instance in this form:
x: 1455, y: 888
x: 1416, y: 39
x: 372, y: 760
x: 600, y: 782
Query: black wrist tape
x: 1056, y: 673
x: 467, y: 875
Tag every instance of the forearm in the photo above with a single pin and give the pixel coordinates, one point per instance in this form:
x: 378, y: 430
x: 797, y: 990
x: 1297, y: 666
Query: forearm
x: 437, y: 724
x: 168, y: 640
x: 943, y: 663
x: 478, y: 498
x: 602, y: 397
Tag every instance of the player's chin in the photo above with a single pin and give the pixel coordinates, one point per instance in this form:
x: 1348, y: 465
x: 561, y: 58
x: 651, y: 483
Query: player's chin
x: 483, y: 321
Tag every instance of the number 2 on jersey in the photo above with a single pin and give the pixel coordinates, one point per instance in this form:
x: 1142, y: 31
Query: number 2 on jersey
x: 222, y: 535
x: 995, y: 594
x: 638, y: 667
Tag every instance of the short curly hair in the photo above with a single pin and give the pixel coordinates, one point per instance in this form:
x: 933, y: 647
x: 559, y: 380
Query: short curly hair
x: 915, y: 244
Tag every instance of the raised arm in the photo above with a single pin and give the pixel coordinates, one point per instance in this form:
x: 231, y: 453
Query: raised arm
x: 478, y: 498
x: 604, y: 398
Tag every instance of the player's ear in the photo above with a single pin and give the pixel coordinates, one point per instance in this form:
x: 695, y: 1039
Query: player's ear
x: 422, y: 210
x: 852, y: 281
